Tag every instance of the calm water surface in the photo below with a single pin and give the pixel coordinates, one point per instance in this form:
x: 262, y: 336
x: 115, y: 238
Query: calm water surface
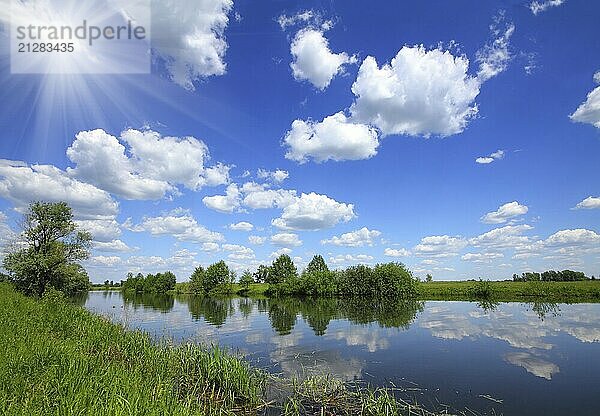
x: 537, y: 359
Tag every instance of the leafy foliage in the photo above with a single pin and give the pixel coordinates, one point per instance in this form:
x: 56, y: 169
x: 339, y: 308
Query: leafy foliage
x: 356, y: 281
x: 218, y: 278
x: 262, y: 274
x: 152, y: 283
x: 282, y: 270
x: 246, y: 280
x: 482, y: 290
x: 392, y: 280
x: 317, y: 264
x: 197, y: 281
x: 551, y: 276
x: 50, y: 251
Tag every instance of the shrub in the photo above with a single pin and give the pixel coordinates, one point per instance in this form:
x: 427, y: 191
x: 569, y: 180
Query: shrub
x: 394, y: 280
x: 356, y: 281
x: 481, y: 290
x: 317, y: 283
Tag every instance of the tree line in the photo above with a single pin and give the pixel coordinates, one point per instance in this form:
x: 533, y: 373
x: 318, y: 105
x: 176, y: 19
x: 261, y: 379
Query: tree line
x: 551, y: 276
x: 383, y: 280
x: 151, y: 283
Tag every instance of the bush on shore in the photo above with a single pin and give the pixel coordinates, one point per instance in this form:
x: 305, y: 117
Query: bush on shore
x: 387, y: 280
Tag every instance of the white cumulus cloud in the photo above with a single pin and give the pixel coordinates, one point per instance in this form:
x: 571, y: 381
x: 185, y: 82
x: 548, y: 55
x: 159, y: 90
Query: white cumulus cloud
x: 591, y: 202
x: 419, y: 93
x: 305, y: 212
x: 241, y: 226
x: 394, y: 252
x: 276, y: 176
x: 335, y: 138
x: 112, y: 246
x: 238, y: 252
x: 179, y: 224
x: 497, y: 155
x: 23, y: 184
x: 589, y: 111
x: 509, y: 236
x: 224, y: 203
x: 286, y: 240
x: 189, y: 36
x: 505, y: 213
x: 482, y: 257
x: 155, y: 167
x: 351, y: 258
x: 313, y: 61
x: 259, y: 196
x: 357, y: 238
x: 256, y: 240
x: 440, y: 246
x: 314, y: 212
x: 576, y: 237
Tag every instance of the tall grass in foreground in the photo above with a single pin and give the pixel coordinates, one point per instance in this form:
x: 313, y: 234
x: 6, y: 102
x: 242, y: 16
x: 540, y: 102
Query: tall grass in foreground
x: 59, y: 359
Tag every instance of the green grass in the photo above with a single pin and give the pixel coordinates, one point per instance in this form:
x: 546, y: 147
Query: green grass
x: 59, y: 359
x: 588, y: 291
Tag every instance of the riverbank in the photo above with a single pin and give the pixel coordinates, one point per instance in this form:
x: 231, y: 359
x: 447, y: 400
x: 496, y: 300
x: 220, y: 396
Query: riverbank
x: 502, y: 291
x: 58, y: 358
x: 507, y: 291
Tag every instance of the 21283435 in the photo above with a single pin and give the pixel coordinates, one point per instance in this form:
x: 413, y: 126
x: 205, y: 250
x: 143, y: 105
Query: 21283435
x: 46, y: 47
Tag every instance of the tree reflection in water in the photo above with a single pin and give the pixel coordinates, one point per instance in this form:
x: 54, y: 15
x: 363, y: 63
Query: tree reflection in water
x: 283, y: 312
x: 160, y: 302
x: 213, y: 310
x: 543, y: 309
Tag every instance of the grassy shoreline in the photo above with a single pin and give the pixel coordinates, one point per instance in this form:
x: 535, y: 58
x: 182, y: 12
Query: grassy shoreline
x: 58, y: 358
x: 502, y: 291
x: 507, y: 291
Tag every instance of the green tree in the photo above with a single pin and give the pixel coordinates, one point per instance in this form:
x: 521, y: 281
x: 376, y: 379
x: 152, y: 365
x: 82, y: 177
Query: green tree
x: 216, y: 275
x: 356, y: 281
x: 283, y: 270
x: 76, y: 279
x: 394, y: 280
x: 429, y: 278
x: 164, y: 282
x: 197, y: 280
x: 149, y: 284
x: 52, y: 246
x: 317, y: 264
x: 246, y: 280
x: 262, y: 274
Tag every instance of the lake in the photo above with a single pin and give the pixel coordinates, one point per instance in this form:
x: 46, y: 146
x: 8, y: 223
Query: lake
x: 510, y: 358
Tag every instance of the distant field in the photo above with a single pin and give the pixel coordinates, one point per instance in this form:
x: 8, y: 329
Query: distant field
x: 464, y: 290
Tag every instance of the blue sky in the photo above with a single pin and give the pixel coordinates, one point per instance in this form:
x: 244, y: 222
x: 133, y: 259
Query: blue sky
x: 371, y: 126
